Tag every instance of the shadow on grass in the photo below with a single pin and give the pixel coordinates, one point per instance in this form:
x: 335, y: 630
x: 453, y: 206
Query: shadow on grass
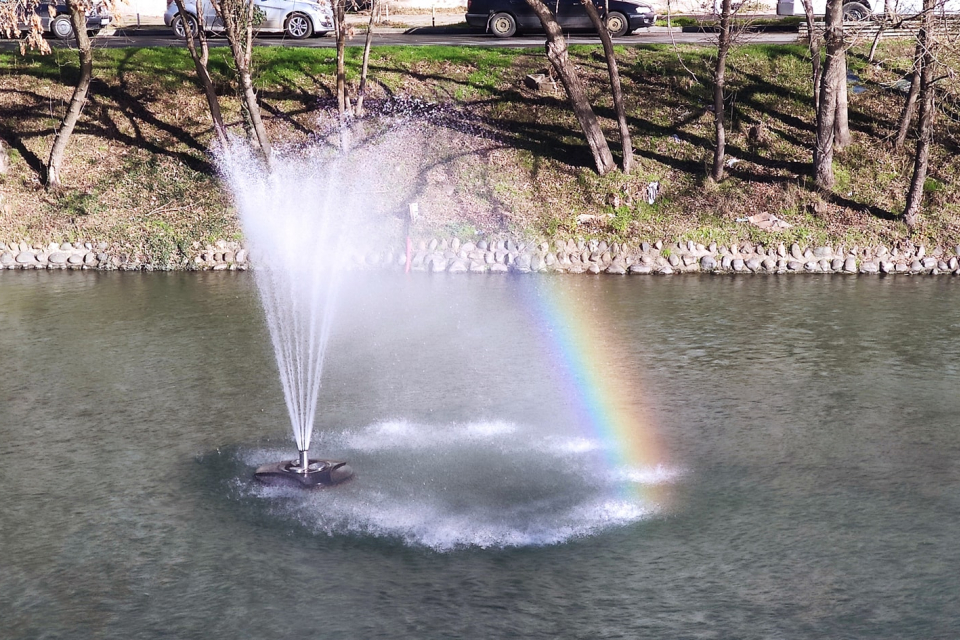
x: 15, y: 136
x: 873, y: 210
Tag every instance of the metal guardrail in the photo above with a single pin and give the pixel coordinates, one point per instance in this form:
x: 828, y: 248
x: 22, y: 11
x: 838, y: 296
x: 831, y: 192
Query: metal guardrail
x: 888, y: 30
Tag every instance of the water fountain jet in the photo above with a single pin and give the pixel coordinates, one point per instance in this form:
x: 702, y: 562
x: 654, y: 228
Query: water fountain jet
x: 295, y: 220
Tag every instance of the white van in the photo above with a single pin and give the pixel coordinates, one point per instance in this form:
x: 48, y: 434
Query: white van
x: 863, y: 9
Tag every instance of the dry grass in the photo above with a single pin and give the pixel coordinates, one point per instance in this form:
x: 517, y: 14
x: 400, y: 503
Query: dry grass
x: 500, y: 158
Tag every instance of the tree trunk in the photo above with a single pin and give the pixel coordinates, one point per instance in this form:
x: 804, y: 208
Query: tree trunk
x: 890, y: 20
x: 237, y: 17
x: 615, y: 87
x: 876, y: 39
x: 910, y: 106
x: 200, y: 59
x: 921, y: 162
x: 814, y: 53
x: 79, y: 21
x: 253, y: 110
x: 361, y: 91
x: 842, y: 136
x: 340, y: 27
x: 719, y: 73
x: 827, y: 106
x: 559, y: 58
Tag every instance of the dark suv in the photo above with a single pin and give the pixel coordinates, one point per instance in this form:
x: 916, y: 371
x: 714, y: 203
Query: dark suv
x: 503, y: 18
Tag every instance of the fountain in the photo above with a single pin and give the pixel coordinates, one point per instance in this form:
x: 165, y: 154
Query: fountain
x: 294, y: 219
x: 304, y: 472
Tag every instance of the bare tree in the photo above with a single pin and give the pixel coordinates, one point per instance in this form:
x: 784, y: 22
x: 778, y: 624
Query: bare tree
x: 239, y: 18
x: 616, y: 88
x: 719, y: 81
x: 910, y: 105
x: 340, y: 29
x: 17, y: 12
x: 194, y: 34
x: 559, y: 57
x: 926, y: 42
x: 815, y: 43
x: 831, y: 83
x: 362, y: 90
x: 841, y: 124
x: 78, y: 19
x: 889, y: 20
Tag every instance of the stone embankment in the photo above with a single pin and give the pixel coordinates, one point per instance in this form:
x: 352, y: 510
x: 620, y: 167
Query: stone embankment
x: 501, y: 256
x: 682, y: 257
x: 221, y: 256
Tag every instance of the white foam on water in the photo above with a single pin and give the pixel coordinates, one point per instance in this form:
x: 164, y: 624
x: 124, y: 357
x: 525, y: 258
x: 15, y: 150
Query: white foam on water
x: 398, y: 434
x: 577, y: 445
x: 652, y: 475
x: 488, y: 484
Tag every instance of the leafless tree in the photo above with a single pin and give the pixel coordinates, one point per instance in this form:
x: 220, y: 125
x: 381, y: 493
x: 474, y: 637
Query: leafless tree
x: 559, y: 57
x: 616, y: 88
x: 889, y: 20
x: 78, y: 18
x: 841, y: 124
x: 724, y: 40
x: 910, y: 104
x: 926, y: 44
x: 831, y: 83
x: 239, y: 18
x: 816, y: 40
x: 340, y: 30
x: 195, y: 34
x: 362, y: 90
x: 17, y: 12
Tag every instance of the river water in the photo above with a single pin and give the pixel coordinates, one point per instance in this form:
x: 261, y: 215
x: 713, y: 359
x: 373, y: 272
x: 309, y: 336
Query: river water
x: 806, y: 433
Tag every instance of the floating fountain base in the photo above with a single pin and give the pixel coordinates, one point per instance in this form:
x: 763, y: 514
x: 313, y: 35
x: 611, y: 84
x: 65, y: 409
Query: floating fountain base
x: 320, y: 473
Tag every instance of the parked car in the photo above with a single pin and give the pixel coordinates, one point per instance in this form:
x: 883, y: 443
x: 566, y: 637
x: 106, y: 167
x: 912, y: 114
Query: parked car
x: 865, y: 9
x: 55, y: 20
x: 504, y: 18
x: 298, y: 19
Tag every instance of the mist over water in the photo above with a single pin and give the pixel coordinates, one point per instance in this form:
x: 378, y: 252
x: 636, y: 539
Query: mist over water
x: 443, y: 484
x: 323, y: 205
x: 488, y: 484
x: 293, y: 219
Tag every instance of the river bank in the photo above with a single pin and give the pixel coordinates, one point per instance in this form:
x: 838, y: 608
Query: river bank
x: 494, y: 159
x: 503, y: 256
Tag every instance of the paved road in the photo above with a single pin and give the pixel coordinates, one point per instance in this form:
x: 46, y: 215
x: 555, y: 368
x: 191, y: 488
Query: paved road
x: 455, y: 36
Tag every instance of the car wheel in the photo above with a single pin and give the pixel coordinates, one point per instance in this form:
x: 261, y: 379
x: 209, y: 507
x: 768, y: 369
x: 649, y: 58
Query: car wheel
x: 855, y: 12
x: 178, y: 27
x: 503, y: 25
x: 617, y: 24
x: 298, y: 26
x: 61, y: 28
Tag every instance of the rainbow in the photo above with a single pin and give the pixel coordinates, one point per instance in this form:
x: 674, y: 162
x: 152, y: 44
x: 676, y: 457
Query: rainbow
x: 604, y: 388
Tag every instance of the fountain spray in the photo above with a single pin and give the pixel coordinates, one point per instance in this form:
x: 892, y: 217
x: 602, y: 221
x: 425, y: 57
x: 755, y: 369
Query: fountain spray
x: 294, y: 218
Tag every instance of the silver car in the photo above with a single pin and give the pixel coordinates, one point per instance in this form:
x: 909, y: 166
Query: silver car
x: 55, y: 20
x: 296, y: 19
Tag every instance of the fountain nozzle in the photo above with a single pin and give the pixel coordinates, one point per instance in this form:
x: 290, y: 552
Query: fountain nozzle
x: 304, y: 472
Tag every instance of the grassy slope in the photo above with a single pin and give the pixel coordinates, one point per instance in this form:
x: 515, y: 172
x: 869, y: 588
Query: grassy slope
x: 139, y: 175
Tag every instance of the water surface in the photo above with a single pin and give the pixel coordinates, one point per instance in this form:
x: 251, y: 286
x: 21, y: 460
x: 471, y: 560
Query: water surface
x: 808, y: 427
